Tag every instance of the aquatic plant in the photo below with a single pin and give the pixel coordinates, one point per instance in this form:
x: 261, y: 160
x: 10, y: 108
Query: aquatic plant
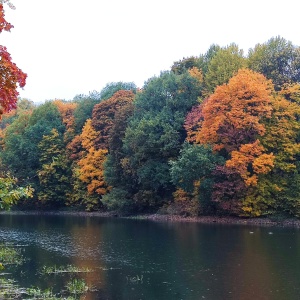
x: 77, y: 286
x: 10, y: 290
x: 10, y: 256
x: 37, y: 293
x: 63, y: 269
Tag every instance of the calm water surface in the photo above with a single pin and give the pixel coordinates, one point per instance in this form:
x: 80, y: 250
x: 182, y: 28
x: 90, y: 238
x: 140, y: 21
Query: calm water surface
x: 139, y: 259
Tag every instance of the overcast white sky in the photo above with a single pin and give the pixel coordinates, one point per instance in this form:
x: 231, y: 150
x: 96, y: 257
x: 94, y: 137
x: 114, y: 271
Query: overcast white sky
x: 70, y: 47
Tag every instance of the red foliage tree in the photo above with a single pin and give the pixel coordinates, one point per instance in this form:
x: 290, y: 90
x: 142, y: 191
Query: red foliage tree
x: 10, y: 75
x: 104, y: 114
x: 193, y: 122
x: 229, y: 189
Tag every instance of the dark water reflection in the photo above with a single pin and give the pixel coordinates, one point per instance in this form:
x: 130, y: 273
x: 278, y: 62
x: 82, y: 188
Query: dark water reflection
x: 138, y: 259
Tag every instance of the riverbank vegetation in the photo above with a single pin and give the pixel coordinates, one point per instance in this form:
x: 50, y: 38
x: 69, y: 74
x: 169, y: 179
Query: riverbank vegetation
x: 217, y: 134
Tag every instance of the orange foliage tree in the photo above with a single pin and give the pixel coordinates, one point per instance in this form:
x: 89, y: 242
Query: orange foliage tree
x: 250, y: 161
x: 89, y: 168
x: 232, y: 120
x: 66, y: 110
x: 234, y: 113
x: 91, y: 171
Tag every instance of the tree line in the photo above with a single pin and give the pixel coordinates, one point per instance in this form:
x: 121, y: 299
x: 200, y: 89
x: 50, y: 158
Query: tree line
x: 215, y: 134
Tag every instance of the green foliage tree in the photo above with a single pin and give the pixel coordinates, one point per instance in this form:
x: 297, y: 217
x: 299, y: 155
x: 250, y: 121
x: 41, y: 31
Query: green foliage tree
x: 236, y: 152
x: 278, y: 59
x: 113, y: 87
x: 194, y: 164
x: 83, y: 112
x: 24, y: 106
x: 55, y: 172
x: 21, y: 153
x: 280, y: 189
x: 116, y: 174
x: 155, y: 134
x: 182, y: 66
x: 204, y: 59
x: 10, y: 193
x: 222, y: 66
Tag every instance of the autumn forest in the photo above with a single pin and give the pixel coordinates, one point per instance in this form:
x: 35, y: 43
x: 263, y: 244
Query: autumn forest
x: 217, y: 134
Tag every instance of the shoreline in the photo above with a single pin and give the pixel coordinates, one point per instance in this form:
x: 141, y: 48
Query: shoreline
x: 224, y: 220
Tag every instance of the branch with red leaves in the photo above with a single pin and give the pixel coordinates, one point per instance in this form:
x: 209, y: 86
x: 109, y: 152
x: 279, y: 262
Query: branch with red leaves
x: 10, y: 75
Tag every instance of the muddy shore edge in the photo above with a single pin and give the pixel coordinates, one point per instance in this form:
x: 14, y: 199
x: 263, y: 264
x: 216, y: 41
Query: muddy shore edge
x: 290, y: 222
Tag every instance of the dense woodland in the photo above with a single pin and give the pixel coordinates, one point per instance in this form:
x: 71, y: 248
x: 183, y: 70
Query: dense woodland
x: 216, y: 134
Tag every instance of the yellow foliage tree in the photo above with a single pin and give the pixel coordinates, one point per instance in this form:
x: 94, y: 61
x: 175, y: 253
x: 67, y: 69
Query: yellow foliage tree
x: 90, y: 166
x: 91, y: 171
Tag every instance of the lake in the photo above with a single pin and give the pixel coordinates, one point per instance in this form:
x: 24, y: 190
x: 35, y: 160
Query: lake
x: 143, y: 259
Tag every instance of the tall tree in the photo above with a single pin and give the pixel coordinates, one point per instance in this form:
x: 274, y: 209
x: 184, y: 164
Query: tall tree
x: 115, y: 171
x: 281, y: 186
x: 90, y: 168
x: 233, y: 122
x: 155, y: 133
x: 55, y: 172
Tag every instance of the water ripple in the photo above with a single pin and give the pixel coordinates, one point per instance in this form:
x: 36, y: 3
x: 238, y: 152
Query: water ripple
x: 64, y: 244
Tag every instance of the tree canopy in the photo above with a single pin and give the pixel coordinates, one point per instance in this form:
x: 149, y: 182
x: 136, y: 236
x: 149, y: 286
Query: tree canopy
x: 218, y: 133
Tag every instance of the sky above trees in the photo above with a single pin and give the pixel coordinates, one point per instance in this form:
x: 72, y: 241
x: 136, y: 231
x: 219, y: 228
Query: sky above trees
x: 72, y: 47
